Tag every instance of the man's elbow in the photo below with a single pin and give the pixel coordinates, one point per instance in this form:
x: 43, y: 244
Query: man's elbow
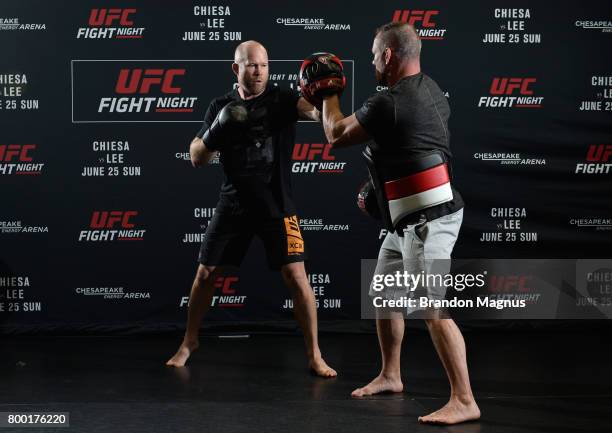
x: 196, y: 160
x: 334, y: 137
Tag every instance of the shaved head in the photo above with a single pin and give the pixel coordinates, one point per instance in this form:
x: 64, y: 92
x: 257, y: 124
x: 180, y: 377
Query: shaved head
x: 251, y: 68
x: 249, y: 49
x: 402, y: 38
x: 396, y: 50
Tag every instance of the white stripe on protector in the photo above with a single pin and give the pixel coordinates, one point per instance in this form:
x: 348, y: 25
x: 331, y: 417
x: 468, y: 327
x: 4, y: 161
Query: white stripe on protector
x: 401, y: 207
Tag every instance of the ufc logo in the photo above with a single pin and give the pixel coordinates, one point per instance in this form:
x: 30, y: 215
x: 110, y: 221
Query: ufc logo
x: 308, y: 151
x: 108, y: 220
x: 507, y: 86
x: 293, y: 226
x: 10, y: 151
x: 225, y: 283
x: 509, y: 283
x: 132, y: 81
x: 97, y: 17
x: 411, y: 17
x: 596, y: 153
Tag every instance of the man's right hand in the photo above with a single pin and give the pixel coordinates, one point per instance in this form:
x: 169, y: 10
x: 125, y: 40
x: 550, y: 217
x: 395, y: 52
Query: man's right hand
x: 233, y: 119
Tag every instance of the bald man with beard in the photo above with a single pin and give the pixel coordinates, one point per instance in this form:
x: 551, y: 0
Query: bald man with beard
x: 253, y: 128
x: 405, y: 123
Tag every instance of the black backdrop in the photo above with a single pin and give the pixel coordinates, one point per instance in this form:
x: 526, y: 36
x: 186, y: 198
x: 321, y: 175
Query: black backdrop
x: 534, y: 173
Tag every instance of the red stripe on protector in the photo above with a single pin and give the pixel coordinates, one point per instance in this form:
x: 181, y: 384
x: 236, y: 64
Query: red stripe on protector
x: 418, y: 182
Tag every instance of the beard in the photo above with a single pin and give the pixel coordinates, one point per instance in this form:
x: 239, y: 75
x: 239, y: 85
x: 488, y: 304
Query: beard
x: 381, y: 78
x: 255, y: 88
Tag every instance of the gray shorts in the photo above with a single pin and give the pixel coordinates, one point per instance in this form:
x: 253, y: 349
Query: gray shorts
x: 425, y: 247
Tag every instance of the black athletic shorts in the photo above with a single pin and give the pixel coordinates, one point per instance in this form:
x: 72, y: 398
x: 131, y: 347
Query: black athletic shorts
x: 228, y: 237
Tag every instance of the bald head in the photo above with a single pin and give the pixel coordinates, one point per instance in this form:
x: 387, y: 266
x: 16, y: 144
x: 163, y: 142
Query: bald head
x: 397, y: 51
x: 402, y: 38
x: 251, y: 68
x: 249, y: 50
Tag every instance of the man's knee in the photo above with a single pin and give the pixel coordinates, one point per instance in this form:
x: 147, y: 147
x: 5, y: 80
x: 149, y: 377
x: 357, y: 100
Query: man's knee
x: 204, y: 273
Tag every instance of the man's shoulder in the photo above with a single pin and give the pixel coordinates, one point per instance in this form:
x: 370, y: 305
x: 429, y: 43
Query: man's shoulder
x: 434, y: 90
x: 430, y: 81
x: 220, y: 101
x: 383, y: 93
x: 415, y: 87
x: 383, y: 99
x: 425, y: 81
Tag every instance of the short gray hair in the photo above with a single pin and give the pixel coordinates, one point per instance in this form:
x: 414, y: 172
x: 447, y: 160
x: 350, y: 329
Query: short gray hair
x: 402, y: 38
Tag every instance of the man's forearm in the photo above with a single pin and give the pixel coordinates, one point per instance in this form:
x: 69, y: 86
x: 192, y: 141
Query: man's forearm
x: 316, y: 115
x: 312, y: 114
x: 331, y: 118
x: 198, y: 153
x: 307, y: 111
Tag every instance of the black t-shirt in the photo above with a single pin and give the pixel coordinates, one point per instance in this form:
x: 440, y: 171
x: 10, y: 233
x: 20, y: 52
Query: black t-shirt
x: 257, y: 168
x: 411, y: 117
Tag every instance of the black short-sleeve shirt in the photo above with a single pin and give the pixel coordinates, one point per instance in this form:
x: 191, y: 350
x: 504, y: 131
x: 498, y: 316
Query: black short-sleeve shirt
x: 411, y: 117
x: 257, y: 168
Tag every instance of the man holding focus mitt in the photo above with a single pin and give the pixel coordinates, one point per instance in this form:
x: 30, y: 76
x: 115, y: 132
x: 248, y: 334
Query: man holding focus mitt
x: 409, y: 163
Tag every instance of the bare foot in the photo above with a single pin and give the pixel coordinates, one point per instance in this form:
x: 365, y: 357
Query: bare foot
x: 320, y: 368
x: 381, y: 383
x: 454, y: 412
x: 182, y: 354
